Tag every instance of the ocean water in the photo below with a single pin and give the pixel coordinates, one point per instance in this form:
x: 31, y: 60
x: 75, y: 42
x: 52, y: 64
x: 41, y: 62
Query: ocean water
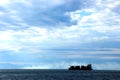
x: 16, y: 74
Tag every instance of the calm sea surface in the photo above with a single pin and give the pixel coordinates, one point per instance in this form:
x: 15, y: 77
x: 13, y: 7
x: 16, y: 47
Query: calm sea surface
x: 58, y: 75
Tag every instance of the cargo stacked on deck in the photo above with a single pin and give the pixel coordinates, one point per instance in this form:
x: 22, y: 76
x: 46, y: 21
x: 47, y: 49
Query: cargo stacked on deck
x: 88, y: 67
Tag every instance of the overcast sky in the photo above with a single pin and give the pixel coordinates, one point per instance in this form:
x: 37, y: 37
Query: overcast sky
x: 37, y: 34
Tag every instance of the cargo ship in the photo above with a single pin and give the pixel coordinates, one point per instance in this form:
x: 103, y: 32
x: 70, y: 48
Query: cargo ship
x: 82, y: 67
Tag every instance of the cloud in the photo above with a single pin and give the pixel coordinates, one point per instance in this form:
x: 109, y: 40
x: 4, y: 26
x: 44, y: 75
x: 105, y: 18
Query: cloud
x: 36, y: 28
x: 4, y: 3
x: 110, y: 66
x: 39, y: 12
x: 37, y: 36
x: 37, y: 67
x: 65, y: 65
x: 103, y: 22
x: 61, y: 65
x: 32, y: 12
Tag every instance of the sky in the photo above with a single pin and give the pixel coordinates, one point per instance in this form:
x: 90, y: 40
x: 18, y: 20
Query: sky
x: 54, y: 34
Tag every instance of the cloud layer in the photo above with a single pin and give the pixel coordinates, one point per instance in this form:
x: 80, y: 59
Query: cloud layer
x: 71, y: 31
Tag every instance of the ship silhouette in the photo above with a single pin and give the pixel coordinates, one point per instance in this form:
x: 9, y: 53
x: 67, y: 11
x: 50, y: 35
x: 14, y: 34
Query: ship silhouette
x: 82, y: 67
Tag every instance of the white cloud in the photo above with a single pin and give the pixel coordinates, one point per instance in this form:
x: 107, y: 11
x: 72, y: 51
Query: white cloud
x: 7, y: 40
x: 102, y: 20
x: 5, y: 35
x: 95, y: 16
x: 9, y: 46
x: 110, y: 57
x: 107, y: 66
x: 7, y: 3
x: 31, y: 3
x: 66, y: 65
x: 79, y: 14
x: 88, y: 21
x: 42, y: 36
x: 32, y: 34
x: 104, y: 29
x: 4, y: 2
x: 107, y: 3
x: 1, y: 13
x: 60, y: 65
x: 37, y: 67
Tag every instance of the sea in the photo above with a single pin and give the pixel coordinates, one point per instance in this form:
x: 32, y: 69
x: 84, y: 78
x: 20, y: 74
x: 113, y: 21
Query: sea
x: 56, y: 74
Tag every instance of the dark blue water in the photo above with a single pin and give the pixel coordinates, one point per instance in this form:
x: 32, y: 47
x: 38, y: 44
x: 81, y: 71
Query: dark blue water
x: 58, y: 75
